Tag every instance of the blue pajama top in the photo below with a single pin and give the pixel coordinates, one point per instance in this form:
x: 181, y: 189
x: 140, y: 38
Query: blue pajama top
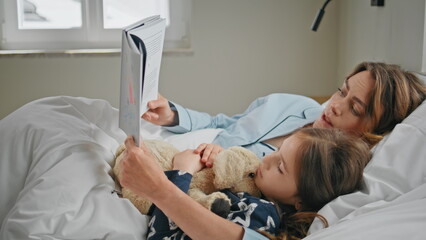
x: 267, y: 117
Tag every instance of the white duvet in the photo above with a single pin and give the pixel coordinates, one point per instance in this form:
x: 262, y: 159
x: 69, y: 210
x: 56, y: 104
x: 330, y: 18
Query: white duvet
x: 55, y: 164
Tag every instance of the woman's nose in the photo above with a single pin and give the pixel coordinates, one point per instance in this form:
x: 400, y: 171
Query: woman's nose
x: 336, y: 108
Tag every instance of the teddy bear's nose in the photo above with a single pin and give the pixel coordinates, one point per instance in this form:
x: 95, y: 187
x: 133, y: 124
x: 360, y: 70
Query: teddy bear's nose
x: 252, y: 175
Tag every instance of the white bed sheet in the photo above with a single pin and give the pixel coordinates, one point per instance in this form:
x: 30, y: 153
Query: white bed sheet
x: 55, y: 163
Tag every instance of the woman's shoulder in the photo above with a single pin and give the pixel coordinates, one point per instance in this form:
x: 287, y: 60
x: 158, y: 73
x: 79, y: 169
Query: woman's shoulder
x: 290, y: 104
x: 288, y: 97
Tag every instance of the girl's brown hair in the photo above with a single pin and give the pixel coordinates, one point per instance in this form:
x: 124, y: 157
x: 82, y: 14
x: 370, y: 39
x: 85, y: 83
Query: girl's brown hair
x: 396, y: 93
x: 330, y: 164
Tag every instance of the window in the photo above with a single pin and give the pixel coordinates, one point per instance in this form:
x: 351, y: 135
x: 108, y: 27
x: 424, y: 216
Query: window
x: 77, y: 24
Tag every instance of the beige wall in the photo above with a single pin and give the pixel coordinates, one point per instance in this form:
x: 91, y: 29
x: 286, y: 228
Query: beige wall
x: 393, y: 34
x: 242, y: 49
x: 23, y: 79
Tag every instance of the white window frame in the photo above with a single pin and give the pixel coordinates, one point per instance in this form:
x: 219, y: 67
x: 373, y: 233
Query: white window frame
x: 91, y: 35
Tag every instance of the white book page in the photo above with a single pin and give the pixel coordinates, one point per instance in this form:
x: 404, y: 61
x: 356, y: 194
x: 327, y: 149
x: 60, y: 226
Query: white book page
x: 153, y: 42
x: 141, y: 59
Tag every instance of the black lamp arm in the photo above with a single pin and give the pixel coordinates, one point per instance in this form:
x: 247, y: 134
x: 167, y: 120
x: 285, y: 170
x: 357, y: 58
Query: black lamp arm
x: 319, y: 16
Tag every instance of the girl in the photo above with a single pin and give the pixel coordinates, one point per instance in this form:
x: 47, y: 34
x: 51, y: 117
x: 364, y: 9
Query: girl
x: 312, y: 167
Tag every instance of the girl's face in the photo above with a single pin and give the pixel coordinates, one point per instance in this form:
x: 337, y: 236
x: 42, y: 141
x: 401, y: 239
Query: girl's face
x: 347, y: 107
x: 276, y: 176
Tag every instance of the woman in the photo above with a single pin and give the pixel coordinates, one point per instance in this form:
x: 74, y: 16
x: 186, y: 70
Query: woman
x: 373, y: 99
x: 312, y: 167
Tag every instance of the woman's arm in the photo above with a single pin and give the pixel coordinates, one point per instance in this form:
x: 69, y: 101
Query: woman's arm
x: 195, y: 220
x: 141, y: 174
x: 160, y: 226
x: 179, y: 119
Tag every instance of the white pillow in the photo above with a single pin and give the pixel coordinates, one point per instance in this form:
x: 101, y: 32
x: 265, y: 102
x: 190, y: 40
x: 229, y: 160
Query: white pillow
x: 398, y: 166
x: 421, y: 76
x: 191, y: 140
x: 182, y: 141
x: 324, y: 104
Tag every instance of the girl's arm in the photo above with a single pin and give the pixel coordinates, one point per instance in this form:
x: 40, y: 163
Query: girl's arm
x: 142, y: 175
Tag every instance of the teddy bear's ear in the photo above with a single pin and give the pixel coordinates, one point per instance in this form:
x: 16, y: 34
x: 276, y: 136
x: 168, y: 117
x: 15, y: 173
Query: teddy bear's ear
x: 120, y: 149
x: 117, y: 159
x: 231, y: 165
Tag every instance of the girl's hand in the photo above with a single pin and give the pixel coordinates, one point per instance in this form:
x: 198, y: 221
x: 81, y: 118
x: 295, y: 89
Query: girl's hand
x: 187, y: 161
x: 160, y: 113
x: 208, y: 153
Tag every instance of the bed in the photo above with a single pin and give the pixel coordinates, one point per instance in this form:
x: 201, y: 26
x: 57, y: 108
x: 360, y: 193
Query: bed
x: 56, y: 155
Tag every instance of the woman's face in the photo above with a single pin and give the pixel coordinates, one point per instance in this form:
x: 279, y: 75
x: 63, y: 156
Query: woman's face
x: 346, y: 109
x: 276, y: 176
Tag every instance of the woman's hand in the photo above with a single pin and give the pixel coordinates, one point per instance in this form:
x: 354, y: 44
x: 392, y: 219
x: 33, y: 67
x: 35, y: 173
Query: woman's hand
x: 160, y: 113
x: 188, y: 161
x: 208, y: 153
x: 141, y: 173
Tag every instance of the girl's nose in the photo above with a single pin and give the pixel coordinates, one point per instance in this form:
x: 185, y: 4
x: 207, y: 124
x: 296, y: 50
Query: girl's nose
x: 266, y: 162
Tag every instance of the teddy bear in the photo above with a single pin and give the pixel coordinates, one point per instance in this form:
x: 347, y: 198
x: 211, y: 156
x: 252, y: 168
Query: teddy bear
x: 234, y: 169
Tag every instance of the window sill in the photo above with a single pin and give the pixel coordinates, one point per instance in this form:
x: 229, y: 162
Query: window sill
x: 83, y: 53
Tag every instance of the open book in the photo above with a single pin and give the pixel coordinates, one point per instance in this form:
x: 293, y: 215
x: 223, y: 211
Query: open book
x: 141, y: 51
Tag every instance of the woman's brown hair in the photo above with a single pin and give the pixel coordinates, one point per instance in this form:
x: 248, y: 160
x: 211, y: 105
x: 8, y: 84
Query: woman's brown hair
x: 396, y: 93
x: 331, y: 164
